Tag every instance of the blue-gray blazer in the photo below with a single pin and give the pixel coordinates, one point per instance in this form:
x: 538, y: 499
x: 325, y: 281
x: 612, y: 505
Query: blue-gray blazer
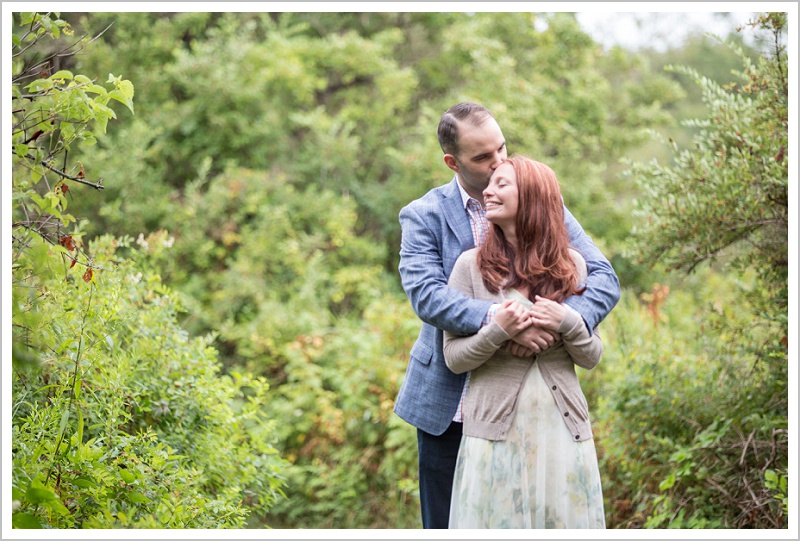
x: 435, y: 231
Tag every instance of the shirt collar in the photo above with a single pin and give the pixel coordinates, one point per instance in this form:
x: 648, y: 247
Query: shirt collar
x: 465, y: 197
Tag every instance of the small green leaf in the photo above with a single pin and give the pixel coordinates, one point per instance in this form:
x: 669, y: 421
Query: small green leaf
x: 39, y: 85
x: 62, y: 74
x: 84, y: 482
x: 64, y: 420
x: 25, y: 521
x: 137, y: 497
x: 57, y: 506
x: 36, y: 495
x: 21, y: 150
x: 26, y: 17
x: 667, y: 483
x: 122, y: 98
x: 96, y: 89
x: 127, y: 476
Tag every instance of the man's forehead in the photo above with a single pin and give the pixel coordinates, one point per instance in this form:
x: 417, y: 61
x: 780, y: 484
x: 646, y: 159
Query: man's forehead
x: 483, y: 137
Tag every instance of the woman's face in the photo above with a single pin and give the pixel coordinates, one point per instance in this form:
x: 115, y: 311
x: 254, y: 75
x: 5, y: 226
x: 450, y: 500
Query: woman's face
x: 501, y: 197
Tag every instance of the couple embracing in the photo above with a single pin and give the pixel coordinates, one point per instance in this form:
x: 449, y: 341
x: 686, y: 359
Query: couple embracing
x: 510, y: 290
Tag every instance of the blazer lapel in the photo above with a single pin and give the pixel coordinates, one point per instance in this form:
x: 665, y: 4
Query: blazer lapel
x: 456, y: 216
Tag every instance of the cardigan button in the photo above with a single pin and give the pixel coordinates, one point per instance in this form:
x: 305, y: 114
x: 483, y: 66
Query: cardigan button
x: 554, y: 387
x: 566, y: 414
x: 577, y: 436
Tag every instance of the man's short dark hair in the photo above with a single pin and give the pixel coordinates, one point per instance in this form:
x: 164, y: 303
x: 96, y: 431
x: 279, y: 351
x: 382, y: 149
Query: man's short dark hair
x: 448, y: 126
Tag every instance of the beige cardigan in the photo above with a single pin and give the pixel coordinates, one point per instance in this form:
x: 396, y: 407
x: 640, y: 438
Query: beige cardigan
x: 496, y: 377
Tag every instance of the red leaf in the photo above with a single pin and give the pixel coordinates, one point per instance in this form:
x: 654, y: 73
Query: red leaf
x: 87, y: 276
x: 67, y: 242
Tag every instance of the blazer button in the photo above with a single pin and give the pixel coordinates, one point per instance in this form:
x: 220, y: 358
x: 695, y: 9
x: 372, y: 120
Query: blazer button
x: 577, y: 436
x: 554, y: 387
x: 566, y: 414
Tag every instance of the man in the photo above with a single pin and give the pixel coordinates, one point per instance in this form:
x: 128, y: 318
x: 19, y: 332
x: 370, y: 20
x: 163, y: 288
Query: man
x: 436, y: 229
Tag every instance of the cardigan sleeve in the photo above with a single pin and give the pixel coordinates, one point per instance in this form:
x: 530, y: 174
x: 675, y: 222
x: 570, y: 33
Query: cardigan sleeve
x: 584, y: 348
x: 465, y: 353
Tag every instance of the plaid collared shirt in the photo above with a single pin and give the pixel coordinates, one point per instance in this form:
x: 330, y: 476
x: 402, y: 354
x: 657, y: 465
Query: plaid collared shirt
x: 480, y: 229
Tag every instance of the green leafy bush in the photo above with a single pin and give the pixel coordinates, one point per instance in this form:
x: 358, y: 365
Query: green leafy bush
x: 355, y: 460
x: 120, y: 419
x: 291, y: 293
x: 125, y: 421
x: 709, y: 404
x: 691, y: 407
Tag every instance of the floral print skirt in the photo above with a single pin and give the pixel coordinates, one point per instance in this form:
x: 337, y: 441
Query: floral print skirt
x: 540, y: 477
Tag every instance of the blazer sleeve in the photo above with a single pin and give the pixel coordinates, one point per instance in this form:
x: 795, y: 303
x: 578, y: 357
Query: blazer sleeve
x: 465, y: 353
x: 424, y: 280
x: 602, y: 285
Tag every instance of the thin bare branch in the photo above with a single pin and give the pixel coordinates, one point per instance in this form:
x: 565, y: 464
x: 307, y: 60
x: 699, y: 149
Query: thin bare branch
x: 98, y: 185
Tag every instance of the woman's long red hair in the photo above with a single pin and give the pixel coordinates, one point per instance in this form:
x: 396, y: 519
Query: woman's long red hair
x: 541, y: 261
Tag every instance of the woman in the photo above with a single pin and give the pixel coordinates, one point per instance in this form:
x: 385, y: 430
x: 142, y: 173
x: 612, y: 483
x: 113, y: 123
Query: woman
x: 527, y: 458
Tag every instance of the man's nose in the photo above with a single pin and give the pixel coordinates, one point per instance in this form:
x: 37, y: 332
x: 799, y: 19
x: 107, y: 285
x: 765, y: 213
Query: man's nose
x: 497, y: 159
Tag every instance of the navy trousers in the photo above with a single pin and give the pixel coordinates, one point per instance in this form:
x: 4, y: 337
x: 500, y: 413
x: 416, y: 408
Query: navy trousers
x: 437, y: 464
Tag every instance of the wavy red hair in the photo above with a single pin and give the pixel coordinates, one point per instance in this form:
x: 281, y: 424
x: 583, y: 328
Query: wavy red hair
x: 541, y: 261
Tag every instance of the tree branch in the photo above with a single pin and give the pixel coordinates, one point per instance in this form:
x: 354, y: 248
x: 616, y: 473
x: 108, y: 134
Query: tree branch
x: 97, y: 186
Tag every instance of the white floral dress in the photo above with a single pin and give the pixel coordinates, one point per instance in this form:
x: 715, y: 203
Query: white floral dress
x: 539, y: 477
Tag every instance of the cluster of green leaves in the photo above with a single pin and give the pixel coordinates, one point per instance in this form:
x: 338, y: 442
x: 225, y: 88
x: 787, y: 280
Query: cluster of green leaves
x: 700, y: 386
x: 124, y: 420
x: 350, y: 102
x: 292, y: 294
x: 724, y: 201
x: 728, y: 195
x: 53, y: 111
x: 120, y: 418
x: 355, y: 461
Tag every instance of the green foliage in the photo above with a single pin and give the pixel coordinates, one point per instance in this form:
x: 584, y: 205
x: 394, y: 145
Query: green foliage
x: 728, y: 196
x: 349, y: 103
x: 691, y: 407
x: 291, y: 293
x: 261, y: 180
x: 115, y: 426
x: 261, y: 262
x: 54, y: 111
x: 355, y: 461
x: 119, y: 418
x: 725, y: 200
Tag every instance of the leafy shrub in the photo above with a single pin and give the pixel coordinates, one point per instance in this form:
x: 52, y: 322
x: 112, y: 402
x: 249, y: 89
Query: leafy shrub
x: 119, y: 417
x: 355, y: 460
x: 125, y: 420
x: 292, y: 294
x: 690, y: 409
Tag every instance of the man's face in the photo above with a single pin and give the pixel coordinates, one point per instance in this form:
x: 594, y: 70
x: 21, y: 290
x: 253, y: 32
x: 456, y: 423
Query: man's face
x: 482, y: 149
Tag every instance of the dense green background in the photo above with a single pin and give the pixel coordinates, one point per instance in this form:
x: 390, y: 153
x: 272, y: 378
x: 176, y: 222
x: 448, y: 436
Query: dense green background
x: 233, y: 359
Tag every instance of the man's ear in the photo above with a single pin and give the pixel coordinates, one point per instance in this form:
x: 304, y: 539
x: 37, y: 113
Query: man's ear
x: 451, y: 162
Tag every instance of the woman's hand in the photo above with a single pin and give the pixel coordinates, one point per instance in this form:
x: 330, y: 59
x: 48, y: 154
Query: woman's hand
x: 547, y: 314
x: 512, y: 317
